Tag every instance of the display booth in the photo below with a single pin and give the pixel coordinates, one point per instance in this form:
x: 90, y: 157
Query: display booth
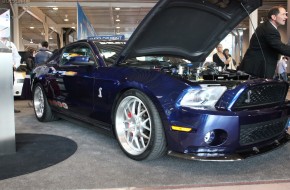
x: 7, y: 122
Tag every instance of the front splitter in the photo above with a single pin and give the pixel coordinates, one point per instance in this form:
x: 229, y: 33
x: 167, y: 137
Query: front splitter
x: 255, y: 151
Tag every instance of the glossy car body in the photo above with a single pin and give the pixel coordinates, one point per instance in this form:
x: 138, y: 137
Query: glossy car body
x: 150, y: 105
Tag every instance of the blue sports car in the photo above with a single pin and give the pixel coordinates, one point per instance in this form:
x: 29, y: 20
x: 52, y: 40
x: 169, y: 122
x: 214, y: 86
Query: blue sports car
x: 157, y: 94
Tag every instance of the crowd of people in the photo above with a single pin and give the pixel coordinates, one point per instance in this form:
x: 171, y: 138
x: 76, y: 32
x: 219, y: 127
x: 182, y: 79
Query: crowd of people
x: 35, y: 57
x: 261, y: 59
x: 31, y: 59
x: 223, y: 58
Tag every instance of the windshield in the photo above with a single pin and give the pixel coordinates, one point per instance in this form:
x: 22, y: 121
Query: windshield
x: 110, y: 50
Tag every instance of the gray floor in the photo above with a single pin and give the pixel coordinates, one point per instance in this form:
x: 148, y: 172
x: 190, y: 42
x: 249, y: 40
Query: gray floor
x: 99, y: 163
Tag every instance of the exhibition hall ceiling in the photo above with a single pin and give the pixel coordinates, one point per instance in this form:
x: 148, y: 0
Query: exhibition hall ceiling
x: 103, y: 15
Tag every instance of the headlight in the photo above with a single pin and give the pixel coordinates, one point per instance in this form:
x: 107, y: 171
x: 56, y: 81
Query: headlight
x: 203, y: 98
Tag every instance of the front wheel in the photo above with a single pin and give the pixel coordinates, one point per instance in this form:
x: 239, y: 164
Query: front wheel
x: 41, y: 107
x: 138, y: 127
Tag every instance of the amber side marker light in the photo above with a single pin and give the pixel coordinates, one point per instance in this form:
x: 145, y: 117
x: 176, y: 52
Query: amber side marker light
x: 183, y: 129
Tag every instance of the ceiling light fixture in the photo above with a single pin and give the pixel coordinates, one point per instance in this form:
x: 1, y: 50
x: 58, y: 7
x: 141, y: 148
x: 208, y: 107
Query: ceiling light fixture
x: 73, y: 25
x: 117, y: 19
x: 31, y: 41
x: 50, y: 37
x: 262, y: 20
x: 31, y: 27
x: 66, y: 19
x: 117, y: 8
x: 55, y: 8
x: 118, y: 27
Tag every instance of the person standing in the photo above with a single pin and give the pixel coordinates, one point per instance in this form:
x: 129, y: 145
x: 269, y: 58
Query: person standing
x: 30, y: 64
x: 232, y: 62
x: 15, y: 57
x: 219, y: 58
x: 282, y: 68
x: 30, y: 60
x: 261, y: 57
x: 43, y: 54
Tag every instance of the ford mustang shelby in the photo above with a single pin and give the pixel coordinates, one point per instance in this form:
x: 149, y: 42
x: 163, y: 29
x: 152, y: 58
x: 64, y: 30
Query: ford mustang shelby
x: 148, y: 91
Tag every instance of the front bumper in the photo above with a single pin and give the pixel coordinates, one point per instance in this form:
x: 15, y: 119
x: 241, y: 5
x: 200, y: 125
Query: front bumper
x: 232, y: 131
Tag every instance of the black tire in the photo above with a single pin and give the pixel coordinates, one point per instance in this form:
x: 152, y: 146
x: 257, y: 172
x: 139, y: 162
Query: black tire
x: 138, y: 126
x: 41, y: 107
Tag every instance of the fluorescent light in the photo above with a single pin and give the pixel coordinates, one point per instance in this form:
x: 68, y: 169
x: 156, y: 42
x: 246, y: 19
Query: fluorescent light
x: 55, y: 8
x: 31, y: 27
x: 66, y: 19
x: 117, y: 18
x: 262, y: 20
x: 117, y: 8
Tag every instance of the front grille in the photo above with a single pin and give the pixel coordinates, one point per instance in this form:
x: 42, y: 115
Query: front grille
x: 261, y: 95
x: 254, y: 133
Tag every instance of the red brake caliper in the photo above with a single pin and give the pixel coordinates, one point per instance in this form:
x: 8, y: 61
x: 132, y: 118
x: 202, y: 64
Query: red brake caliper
x: 129, y: 116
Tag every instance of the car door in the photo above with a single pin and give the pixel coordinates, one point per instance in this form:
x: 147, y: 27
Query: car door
x: 106, y: 82
x: 75, y: 78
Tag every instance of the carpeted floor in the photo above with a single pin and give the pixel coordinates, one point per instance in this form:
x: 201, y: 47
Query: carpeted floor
x: 99, y: 163
x: 35, y: 152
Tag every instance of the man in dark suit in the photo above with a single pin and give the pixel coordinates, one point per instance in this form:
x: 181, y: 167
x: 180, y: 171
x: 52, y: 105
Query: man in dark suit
x: 261, y: 58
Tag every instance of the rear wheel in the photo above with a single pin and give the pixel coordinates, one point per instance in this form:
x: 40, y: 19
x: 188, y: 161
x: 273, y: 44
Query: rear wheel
x: 138, y: 127
x: 41, y: 107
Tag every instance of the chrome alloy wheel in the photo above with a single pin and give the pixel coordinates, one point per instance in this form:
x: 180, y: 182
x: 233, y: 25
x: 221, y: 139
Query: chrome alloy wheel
x: 133, y: 125
x: 38, y: 101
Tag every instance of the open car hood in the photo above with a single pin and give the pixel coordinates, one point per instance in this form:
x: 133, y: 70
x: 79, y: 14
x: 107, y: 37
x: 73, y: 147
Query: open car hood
x: 186, y: 28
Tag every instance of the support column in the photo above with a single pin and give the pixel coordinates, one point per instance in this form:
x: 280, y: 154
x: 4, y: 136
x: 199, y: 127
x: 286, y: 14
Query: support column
x: 253, y: 25
x: 60, y: 36
x: 46, y: 31
x: 21, y: 45
x: 7, y: 123
x: 15, y: 25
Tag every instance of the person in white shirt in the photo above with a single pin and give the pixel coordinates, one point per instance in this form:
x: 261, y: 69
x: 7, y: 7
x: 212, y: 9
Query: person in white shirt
x: 15, y: 56
x: 282, y: 68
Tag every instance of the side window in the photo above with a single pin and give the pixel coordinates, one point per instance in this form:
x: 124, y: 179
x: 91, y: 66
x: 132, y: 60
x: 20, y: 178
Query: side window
x: 77, y: 53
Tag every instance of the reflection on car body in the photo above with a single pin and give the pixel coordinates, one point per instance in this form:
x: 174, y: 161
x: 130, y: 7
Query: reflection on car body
x: 157, y: 95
